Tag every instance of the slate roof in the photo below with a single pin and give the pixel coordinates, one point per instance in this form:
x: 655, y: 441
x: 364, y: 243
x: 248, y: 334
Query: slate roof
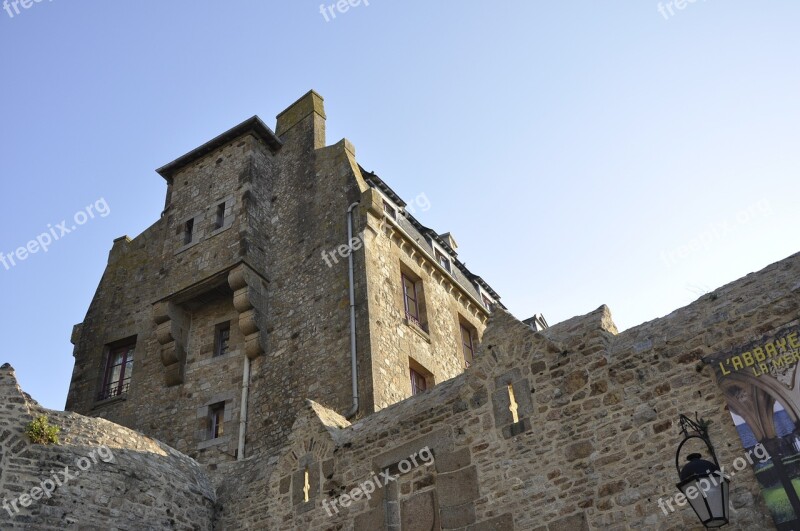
x: 423, y: 235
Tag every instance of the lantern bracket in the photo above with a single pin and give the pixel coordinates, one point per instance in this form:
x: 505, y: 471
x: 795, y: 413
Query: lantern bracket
x: 696, y: 428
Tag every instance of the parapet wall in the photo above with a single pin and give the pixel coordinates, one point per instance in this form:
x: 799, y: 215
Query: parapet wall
x: 100, y: 476
x: 584, y: 437
x: 567, y: 430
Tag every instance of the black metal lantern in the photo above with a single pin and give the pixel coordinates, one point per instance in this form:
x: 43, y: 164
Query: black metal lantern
x: 701, y: 481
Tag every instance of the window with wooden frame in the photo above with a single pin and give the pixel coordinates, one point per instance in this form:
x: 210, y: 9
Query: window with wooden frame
x: 421, y: 378
x: 418, y: 383
x: 216, y: 420
x: 411, y: 300
x: 118, y: 370
x: 468, y: 338
x: 188, y: 232
x: 222, y: 338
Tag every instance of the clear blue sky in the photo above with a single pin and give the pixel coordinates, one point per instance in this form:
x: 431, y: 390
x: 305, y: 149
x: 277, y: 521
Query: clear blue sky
x: 572, y: 148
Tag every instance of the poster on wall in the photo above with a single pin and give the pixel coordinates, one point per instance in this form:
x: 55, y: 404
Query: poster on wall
x: 761, y: 384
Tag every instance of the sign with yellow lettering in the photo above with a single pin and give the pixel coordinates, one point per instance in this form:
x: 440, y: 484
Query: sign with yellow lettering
x: 761, y: 385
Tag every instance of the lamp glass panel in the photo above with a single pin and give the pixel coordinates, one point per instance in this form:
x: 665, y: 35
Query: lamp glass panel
x: 715, y: 501
x: 698, y: 503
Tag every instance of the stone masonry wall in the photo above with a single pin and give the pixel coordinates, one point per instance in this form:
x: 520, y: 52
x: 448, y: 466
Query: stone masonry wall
x: 397, y: 344
x: 275, y: 271
x: 116, y: 478
x: 593, y: 447
x: 156, y: 265
x: 572, y: 428
x: 308, y: 346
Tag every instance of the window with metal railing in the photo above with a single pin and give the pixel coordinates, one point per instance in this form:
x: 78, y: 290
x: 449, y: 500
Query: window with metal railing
x: 411, y: 300
x: 118, y: 371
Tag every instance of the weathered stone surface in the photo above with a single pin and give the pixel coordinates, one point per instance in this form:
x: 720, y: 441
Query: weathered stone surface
x: 579, y: 450
x: 591, y: 401
x: 575, y: 381
x: 450, y: 461
x: 420, y: 512
x: 116, y: 478
x: 576, y: 522
x: 268, y: 255
x: 458, y: 516
x: 500, y: 523
x: 458, y: 488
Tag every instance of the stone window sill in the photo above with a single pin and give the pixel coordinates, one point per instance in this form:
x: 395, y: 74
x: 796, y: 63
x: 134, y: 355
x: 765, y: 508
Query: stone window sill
x: 220, y: 230
x: 418, y: 329
x: 213, y: 442
x: 109, y: 401
x: 236, y: 353
x: 188, y: 246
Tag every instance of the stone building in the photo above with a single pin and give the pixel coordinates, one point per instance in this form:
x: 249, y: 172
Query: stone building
x: 571, y: 427
x: 210, y: 329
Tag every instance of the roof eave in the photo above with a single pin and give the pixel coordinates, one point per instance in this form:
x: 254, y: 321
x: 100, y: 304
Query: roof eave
x: 252, y: 125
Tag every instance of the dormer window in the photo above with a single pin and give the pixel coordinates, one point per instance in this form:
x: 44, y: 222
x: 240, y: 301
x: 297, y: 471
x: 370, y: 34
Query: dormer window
x: 443, y: 260
x: 389, y: 210
x: 487, y: 302
x: 188, y: 232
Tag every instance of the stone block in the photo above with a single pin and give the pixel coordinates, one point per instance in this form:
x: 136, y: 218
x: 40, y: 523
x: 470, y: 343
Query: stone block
x: 458, y: 488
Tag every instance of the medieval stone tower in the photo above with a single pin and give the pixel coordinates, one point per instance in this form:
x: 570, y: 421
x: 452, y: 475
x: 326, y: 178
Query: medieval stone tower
x: 209, y: 330
x: 284, y: 323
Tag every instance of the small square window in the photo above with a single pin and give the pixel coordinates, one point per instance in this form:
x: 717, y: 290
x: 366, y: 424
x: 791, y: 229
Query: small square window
x: 220, y: 220
x: 487, y: 302
x: 222, y: 339
x: 188, y: 232
x: 216, y: 420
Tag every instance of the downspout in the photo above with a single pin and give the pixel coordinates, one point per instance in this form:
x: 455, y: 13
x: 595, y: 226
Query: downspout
x: 243, y: 409
x: 353, y: 360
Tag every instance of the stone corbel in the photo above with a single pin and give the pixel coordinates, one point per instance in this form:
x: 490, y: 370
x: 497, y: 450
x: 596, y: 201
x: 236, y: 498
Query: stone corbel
x: 372, y: 203
x: 171, y: 334
x: 249, y: 298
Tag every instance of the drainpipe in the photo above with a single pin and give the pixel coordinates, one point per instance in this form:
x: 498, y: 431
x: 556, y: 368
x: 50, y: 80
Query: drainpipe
x: 243, y: 409
x: 353, y: 361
